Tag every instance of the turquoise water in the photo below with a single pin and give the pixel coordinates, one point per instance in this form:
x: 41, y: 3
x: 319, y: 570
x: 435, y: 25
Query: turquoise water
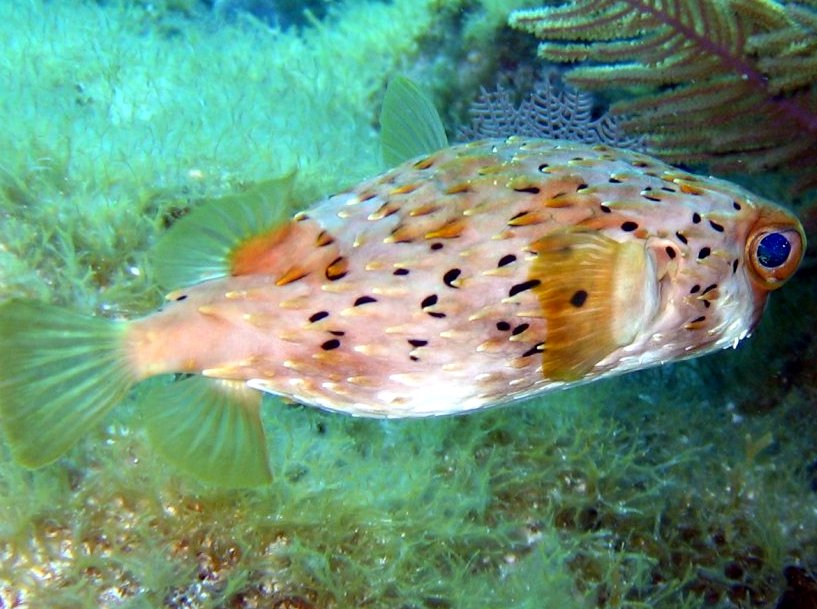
x: 686, y: 486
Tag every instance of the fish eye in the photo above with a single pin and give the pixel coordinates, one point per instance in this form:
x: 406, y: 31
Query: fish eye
x: 773, y: 250
x: 774, y: 253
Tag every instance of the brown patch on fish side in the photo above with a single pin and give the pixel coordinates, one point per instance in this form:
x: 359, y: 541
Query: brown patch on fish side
x: 384, y: 211
x: 424, y: 163
x: 592, y: 293
x: 292, y: 274
x: 258, y: 254
x: 424, y: 209
x: 323, y: 239
x: 287, y: 251
x: 402, y: 233
x: 527, y: 218
x: 337, y: 268
x: 457, y: 189
x: 405, y: 188
x: 571, y: 200
x: 449, y: 230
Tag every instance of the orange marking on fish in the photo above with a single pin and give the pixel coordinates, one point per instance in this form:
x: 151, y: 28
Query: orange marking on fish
x: 258, y: 254
x: 423, y: 210
x: 405, y: 189
x: 450, y: 230
x: 291, y: 275
x: 458, y: 189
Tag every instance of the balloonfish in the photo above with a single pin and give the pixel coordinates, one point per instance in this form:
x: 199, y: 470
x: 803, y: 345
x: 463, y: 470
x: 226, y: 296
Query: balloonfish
x: 464, y: 277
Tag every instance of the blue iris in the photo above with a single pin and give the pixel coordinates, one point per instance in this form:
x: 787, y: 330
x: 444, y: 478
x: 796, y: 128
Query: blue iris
x: 773, y: 250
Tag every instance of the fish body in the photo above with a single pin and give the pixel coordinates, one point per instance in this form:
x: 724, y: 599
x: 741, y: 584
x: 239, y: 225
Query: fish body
x: 482, y: 273
x: 466, y: 276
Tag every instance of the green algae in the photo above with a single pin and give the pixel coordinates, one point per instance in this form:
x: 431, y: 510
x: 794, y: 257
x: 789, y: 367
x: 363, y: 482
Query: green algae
x: 676, y: 487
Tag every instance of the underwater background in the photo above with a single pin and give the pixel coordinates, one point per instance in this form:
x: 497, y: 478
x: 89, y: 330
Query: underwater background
x: 691, y: 485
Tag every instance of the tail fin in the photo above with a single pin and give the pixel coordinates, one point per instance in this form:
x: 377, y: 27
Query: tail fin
x: 60, y: 373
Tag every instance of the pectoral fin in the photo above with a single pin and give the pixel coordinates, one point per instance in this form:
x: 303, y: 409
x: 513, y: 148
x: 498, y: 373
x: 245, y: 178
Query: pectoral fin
x: 595, y: 292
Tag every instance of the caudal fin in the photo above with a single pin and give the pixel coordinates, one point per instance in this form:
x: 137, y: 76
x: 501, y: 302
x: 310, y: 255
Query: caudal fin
x: 60, y: 373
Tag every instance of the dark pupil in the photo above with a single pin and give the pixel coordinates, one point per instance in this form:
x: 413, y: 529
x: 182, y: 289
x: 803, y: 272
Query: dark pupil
x: 773, y: 250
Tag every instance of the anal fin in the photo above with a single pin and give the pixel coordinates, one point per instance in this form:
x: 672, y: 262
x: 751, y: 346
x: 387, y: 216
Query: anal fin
x: 211, y: 429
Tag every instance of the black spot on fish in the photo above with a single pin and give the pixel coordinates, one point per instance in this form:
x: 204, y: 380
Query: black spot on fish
x: 181, y: 297
x: 681, y: 238
x: 332, y: 343
x: 521, y: 287
x: 581, y: 187
x: 734, y: 266
x: 414, y: 358
x: 543, y: 167
x: 429, y: 301
x: 579, y: 298
x: 503, y: 326
x: 704, y: 253
x: 531, y: 190
x: 450, y: 277
x: 605, y: 209
x: 670, y: 251
x: 709, y: 288
x: 537, y: 348
x: 417, y: 342
x: 736, y: 205
x: 696, y: 218
x: 519, y: 329
x: 400, y: 272
x: 337, y: 332
x: 695, y: 289
x: 364, y: 300
x: 628, y: 226
x: 668, y: 189
x: 436, y: 246
x: 517, y: 216
x: 652, y: 198
x: 318, y: 316
x: 698, y: 319
x: 506, y: 260
x: 614, y: 181
x: 436, y: 314
x: 716, y: 226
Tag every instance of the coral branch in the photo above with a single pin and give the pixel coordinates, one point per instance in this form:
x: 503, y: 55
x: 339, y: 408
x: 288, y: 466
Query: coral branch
x: 742, y: 72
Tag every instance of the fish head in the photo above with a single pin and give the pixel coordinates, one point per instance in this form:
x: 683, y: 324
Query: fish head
x: 713, y: 254
x: 768, y: 243
x: 737, y: 249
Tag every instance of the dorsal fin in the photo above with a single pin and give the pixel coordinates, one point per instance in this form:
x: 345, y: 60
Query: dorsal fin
x: 596, y: 294
x: 409, y: 124
x: 200, y: 245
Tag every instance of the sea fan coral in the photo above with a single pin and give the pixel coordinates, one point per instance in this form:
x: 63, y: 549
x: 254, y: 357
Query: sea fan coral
x: 730, y: 82
x: 550, y: 111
